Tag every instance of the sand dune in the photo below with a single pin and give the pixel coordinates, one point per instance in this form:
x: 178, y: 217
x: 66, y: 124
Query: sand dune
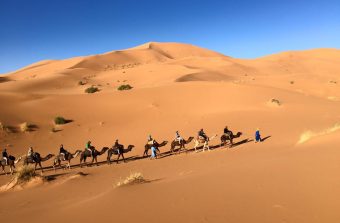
x: 290, y: 177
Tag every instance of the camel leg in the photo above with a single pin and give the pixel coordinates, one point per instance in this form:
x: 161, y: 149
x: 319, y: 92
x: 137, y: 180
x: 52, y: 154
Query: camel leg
x: 117, y: 158
x: 146, y: 152
x: 108, y: 159
x: 196, y: 144
x: 3, y: 169
x: 123, y: 158
x: 35, y: 166
x: 41, y: 167
x: 186, y: 150
x: 69, y: 164
x: 180, y: 147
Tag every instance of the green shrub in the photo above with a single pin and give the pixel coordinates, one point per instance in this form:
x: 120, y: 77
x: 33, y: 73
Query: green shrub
x: 91, y: 90
x: 124, y: 87
x: 60, y: 120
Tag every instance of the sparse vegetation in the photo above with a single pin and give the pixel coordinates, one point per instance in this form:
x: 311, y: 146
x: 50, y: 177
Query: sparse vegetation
x: 275, y: 101
x: 60, y: 120
x: 5, y: 128
x: 26, y: 127
x: 133, y: 178
x: 82, y: 82
x: 24, y: 174
x: 292, y: 82
x: 333, y: 82
x: 91, y: 90
x: 124, y: 87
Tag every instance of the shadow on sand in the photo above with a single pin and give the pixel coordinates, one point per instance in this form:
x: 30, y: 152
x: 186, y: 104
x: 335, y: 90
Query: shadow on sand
x: 135, y: 158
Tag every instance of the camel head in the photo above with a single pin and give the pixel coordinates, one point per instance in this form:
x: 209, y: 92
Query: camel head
x: 190, y: 139
x: 130, y: 147
x: 18, y: 160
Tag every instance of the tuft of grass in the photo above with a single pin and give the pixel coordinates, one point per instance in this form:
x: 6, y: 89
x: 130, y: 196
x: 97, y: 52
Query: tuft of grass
x: 133, y: 178
x: 60, y: 120
x: 124, y: 87
x: 24, y: 174
x: 276, y: 101
x: 292, y: 82
x: 5, y: 128
x: 82, y: 82
x: 91, y: 90
x: 24, y: 127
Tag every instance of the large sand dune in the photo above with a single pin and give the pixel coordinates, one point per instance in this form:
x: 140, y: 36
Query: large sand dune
x: 291, y: 177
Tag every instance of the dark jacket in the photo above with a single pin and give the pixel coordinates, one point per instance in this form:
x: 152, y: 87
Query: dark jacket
x: 202, y: 133
x: 62, y: 150
x: 4, y: 154
x: 227, y: 131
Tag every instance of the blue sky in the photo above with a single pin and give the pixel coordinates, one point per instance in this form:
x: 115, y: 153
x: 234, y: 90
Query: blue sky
x: 33, y: 30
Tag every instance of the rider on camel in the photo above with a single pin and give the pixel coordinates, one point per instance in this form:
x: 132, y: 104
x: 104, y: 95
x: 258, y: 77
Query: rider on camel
x: 202, y: 134
x: 178, y: 137
x: 227, y: 132
x: 118, y: 147
x: 30, y: 153
x: 151, y: 141
x: 89, y: 147
x: 5, y: 156
x: 62, y: 152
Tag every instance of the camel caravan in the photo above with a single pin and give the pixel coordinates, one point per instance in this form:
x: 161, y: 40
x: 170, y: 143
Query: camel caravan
x: 177, y: 145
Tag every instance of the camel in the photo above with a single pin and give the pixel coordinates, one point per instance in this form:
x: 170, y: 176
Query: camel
x: 156, y: 144
x: 36, y: 159
x: 229, y: 137
x: 181, y: 145
x: 11, y: 161
x: 95, y: 154
x: 68, y: 156
x: 118, y: 151
x: 201, y: 140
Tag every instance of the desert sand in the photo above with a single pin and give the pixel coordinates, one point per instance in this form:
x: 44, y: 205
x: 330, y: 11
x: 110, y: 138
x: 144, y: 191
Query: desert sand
x: 292, y: 176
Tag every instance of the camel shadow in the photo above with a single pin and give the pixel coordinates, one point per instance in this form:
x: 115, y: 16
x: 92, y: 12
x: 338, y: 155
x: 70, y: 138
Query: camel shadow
x: 242, y: 142
x: 53, y: 177
x: 265, y: 138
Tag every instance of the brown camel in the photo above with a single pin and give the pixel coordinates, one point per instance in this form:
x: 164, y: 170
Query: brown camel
x: 229, y: 137
x: 94, y: 154
x: 68, y: 156
x: 118, y: 150
x: 156, y: 144
x: 36, y: 159
x: 11, y: 161
x: 201, y: 140
x: 181, y: 145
